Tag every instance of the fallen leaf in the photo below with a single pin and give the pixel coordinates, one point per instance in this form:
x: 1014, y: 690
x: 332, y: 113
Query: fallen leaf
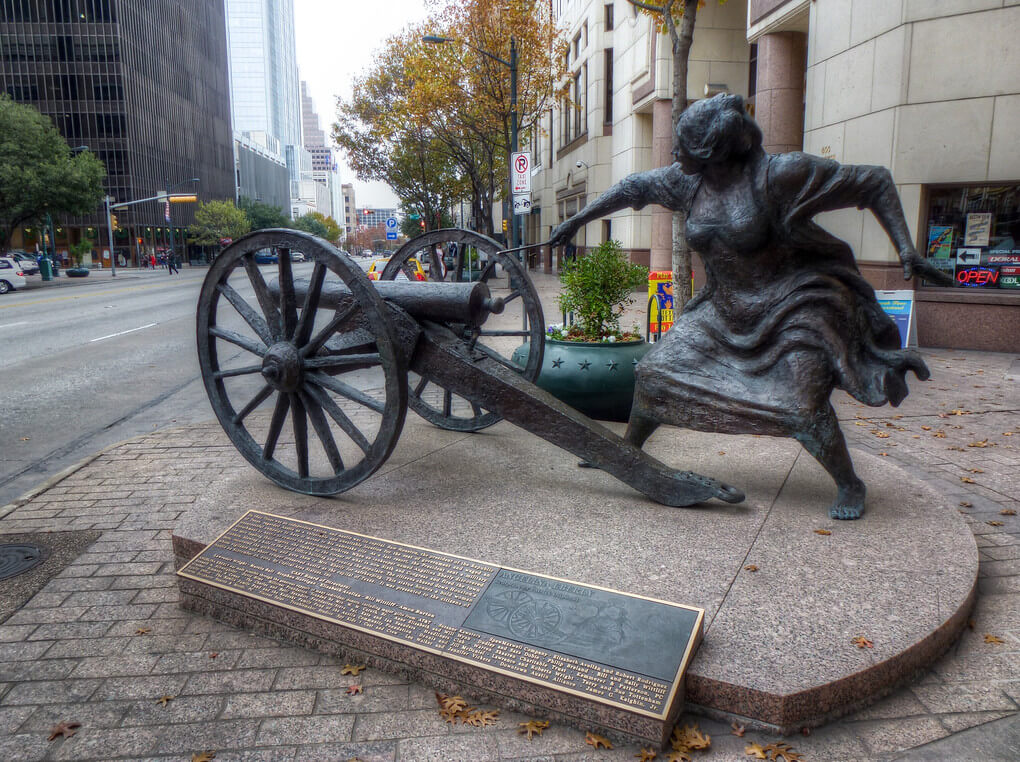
x: 959, y: 412
x: 679, y: 755
x: 782, y: 751
x: 993, y: 639
x: 353, y: 669
x: 143, y: 631
x: 823, y: 532
x: 965, y: 504
x: 65, y: 729
x: 751, y: 568
x: 645, y: 755
x: 691, y: 737
x: 967, y: 480
x: 862, y: 642
x: 940, y: 434
x: 897, y: 416
x: 881, y: 435
x: 596, y: 741
x: 1007, y: 512
x: 884, y: 454
x: 926, y: 428
x: 354, y: 690
x: 995, y: 523
x: 1008, y: 433
x: 756, y: 750
x: 722, y: 452
x: 165, y: 699
x: 737, y: 730
x: 976, y: 470
x: 213, y: 654
x: 982, y: 443
x: 453, y: 703
x: 25, y: 439
x: 480, y: 718
x: 205, y: 756
x: 531, y: 727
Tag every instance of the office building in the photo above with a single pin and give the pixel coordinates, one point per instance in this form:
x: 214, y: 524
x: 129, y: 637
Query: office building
x: 144, y: 86
x: 927, y: 89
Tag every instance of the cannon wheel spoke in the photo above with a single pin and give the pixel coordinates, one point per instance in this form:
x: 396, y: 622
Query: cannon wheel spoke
x: 440, y: 410
x: 320, y: 450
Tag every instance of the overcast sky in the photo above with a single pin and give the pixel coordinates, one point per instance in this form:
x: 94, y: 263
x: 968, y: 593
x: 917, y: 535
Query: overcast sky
x: 335, y: 42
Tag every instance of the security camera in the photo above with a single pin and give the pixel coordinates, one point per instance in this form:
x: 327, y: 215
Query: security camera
x: 580, y: 164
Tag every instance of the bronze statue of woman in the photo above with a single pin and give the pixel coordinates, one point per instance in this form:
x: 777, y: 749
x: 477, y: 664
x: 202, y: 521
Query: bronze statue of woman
x: 785, y: 315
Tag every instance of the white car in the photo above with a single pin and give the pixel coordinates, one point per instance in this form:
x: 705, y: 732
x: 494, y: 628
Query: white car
x: 12, y: 277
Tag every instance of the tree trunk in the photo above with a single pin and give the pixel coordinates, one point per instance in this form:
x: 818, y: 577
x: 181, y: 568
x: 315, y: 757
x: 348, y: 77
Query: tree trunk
x: 681, y: 46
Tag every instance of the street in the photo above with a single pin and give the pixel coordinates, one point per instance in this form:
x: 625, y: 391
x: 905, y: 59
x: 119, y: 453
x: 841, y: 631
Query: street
x: 88, y: 365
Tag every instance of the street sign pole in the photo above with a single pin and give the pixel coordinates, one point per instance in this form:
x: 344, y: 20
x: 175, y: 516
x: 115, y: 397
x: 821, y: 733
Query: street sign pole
x: 109, y: 229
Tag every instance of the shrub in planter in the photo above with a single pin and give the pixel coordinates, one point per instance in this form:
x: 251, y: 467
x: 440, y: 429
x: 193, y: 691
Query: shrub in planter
x: 590, y: 364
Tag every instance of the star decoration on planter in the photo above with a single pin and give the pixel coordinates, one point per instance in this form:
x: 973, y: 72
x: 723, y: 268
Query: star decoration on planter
x: 611, y: 365
x: 557, y: 362
x: 584, y: 365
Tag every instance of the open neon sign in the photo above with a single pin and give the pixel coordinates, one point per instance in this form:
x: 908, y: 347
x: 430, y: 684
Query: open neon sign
x: 977, y: 276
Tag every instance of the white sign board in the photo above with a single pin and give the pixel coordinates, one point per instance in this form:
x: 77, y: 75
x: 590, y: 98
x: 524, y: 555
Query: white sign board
x: 522, y: 204
x: 520, y: 172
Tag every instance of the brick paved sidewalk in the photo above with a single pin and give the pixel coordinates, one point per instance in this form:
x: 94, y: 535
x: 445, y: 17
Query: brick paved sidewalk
x: 105, y: 639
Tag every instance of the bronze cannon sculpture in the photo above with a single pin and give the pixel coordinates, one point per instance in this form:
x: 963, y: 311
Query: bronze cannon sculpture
x: 785, y: 315
x: 344, y: 358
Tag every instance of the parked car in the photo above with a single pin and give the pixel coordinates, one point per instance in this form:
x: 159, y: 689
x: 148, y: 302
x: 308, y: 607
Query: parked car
x: 28, y: 263
x: 376, y: 268
x: 265, y: 257
x: 12, y: 277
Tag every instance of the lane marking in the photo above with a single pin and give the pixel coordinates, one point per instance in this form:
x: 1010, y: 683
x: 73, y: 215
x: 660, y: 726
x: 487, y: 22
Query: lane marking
x: 78, y: 296
x: 11, y: 325
x: 129, y: 330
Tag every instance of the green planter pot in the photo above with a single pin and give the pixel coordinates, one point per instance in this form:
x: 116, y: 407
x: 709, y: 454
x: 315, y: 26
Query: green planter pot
x: 595, y: 378
x: 76, y: 272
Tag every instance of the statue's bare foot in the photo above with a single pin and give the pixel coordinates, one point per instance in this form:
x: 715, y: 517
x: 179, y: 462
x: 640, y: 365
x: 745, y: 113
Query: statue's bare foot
x: 849, y: 503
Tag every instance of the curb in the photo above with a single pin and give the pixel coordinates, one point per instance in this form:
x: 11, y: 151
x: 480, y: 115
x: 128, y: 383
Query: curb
x: 54, y: 480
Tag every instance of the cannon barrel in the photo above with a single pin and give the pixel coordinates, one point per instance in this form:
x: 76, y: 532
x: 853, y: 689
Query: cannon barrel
x: 468, y: 303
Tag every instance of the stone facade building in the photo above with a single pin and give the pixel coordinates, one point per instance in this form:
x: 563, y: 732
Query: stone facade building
x: 928, y: 88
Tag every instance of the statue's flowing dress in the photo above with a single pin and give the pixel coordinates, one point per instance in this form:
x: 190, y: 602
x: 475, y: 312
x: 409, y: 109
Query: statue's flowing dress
x: 785, y: 314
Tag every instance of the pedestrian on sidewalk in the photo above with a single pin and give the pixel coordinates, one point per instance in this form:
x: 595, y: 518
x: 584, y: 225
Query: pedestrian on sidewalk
x: 152, y: 260
x: 171, y: 264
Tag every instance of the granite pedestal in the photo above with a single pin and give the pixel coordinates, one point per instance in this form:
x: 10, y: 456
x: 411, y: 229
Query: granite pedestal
x: 783, y: 602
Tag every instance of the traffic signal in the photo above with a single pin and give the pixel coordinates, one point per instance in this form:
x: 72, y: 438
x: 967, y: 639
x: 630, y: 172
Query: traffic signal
x: 422, y: 224
x: 183, y: 198
x: 113, y: 222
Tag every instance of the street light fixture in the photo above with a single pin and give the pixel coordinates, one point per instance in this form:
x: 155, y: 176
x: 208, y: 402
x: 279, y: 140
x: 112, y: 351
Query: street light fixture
x: 512, y: 65
x: 169, y: 188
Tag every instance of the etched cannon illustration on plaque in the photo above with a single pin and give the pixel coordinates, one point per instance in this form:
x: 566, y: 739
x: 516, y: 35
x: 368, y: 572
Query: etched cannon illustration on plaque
x: 342, y: 358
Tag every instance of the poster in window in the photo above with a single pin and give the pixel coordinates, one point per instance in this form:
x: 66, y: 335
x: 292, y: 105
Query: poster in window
x: 979, y: 228
x: 966, y: 257
x: 940, y: 241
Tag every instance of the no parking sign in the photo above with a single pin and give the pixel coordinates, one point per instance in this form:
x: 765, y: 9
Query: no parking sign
x: 520, y: 172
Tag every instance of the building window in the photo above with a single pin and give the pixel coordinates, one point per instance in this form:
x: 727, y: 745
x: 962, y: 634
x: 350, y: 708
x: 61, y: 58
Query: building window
x: 609, y: 86
x: 609, y: 17
x: 752, y: 71
x: 973, y: 233
x: 607, y: 230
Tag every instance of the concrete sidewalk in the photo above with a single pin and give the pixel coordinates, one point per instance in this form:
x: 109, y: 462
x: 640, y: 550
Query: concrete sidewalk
x: 101, y: 642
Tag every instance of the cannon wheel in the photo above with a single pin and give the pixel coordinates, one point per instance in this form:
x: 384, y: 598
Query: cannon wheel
x: 280, y: 354
x: 439, y: 408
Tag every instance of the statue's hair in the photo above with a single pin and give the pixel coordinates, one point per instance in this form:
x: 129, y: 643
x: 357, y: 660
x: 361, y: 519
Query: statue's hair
x: 718, y: 128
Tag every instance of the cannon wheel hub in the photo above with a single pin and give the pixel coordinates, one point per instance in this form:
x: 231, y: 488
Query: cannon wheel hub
x: 281, y: 367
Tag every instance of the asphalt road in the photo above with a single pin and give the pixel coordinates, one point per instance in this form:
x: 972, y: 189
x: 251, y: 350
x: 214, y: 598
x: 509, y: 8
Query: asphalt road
x: 86, y: 365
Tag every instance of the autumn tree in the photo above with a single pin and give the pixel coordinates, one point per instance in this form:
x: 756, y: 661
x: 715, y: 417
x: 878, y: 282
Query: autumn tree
x: 383, y: 141
x: 319, y: 224
x: 39, y: 173
x: 435, y: 121
x: 678, y: 18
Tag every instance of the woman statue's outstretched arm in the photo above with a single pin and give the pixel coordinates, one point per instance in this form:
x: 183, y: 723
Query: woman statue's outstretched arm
x: 667, y: 186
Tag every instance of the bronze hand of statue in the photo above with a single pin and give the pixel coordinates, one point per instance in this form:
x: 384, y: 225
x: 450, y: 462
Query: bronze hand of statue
x: 915, y: 264
x: 562, y: 234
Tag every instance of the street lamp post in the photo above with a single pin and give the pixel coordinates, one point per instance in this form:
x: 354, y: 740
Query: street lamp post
x: 514, y: 147
x: 168, y: 222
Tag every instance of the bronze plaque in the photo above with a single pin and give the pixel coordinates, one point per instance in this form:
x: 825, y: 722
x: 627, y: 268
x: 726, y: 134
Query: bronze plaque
x: 624, y: 650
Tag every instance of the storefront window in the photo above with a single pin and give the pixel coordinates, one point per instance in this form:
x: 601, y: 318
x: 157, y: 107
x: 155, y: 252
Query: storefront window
x: 973, y: 233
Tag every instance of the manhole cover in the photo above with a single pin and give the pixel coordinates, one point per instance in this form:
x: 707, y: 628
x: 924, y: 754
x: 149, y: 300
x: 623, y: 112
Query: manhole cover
x: 17, y: 559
